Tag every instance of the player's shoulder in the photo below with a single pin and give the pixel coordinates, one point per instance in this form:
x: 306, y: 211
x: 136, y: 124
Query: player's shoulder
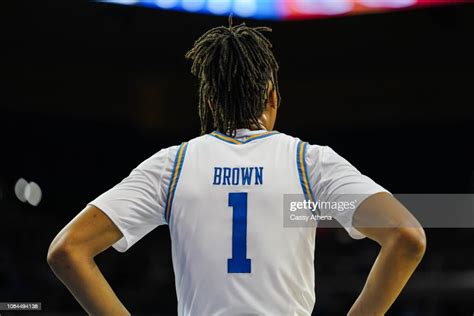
x: 314, y: 153
x: 169, y: 153
x: 160, y: 159
x: 202, y: 139
x: 297, y: 140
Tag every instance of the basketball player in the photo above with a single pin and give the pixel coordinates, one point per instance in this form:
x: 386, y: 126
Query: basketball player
x: 222, y: 193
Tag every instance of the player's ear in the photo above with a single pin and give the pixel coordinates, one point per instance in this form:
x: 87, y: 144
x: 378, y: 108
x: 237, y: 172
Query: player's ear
x: 272, y: 97
x: 272, y: 100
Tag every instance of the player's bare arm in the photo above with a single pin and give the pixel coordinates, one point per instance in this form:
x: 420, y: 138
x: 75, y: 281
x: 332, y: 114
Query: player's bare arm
x: 385, y: 220
x: 71, y: 256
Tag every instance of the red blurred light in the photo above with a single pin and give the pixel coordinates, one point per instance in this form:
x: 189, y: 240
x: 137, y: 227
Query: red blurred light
x: 305, y: 9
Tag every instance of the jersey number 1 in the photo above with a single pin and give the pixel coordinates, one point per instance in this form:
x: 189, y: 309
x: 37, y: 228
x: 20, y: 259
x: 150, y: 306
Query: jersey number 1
x: 239, y: 262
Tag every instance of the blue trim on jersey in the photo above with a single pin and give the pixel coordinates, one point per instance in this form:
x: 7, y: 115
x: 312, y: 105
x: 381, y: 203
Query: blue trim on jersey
x: 169, y: 186
x: 175, y: 173
x: 234, y: 141
x: 307, y: 171
x: 303, y: 170
x: 259, y: 136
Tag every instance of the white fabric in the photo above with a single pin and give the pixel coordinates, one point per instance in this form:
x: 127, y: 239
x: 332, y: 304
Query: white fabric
x: 281, y: 281
x: 334, y: 179
x: 136, y: 205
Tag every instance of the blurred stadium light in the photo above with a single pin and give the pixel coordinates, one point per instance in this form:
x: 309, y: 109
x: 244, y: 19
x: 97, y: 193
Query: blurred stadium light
x: 20, y: 186
x: 28, y: 192
x: 283, y: 9
x: 33, y: 193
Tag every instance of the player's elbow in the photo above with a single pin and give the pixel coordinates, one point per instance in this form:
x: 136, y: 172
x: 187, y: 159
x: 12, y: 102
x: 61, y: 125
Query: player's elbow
x: 410, y: 241
x: 56, y: 255
x: 60, y: 255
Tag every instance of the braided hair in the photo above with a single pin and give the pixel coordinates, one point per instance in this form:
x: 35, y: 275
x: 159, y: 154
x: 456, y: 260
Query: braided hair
x: 234, y: 66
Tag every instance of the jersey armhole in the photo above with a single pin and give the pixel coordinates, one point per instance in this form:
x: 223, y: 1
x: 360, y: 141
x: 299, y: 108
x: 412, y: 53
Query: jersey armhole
x: 175, y: 174
x: 303, y: 173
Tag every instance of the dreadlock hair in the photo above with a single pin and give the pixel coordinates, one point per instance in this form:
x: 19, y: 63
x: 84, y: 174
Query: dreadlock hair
x: 234, y: 66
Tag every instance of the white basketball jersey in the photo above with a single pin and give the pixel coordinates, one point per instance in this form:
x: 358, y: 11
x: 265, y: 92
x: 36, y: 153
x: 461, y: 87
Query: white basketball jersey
x: 231, y: 253
x: 223, y: 199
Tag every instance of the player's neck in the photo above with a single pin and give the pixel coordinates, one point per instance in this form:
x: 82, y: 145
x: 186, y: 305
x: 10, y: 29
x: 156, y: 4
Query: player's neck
x: 261, y: 126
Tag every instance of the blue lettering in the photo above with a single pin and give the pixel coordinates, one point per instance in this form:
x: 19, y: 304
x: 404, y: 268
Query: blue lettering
x: 217, y: 175
x: 258, y: 175
x: 235, y: 176
x: 226, y: 177
x: 238, y: 176
x: 246, y: 175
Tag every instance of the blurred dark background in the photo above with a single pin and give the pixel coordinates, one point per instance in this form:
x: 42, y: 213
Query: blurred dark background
x: 91, y: 90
